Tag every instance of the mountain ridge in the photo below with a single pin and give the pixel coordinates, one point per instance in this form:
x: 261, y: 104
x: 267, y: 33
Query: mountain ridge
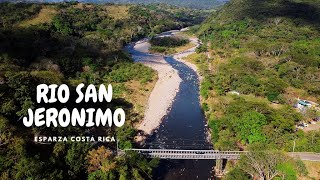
x: 195, y: 4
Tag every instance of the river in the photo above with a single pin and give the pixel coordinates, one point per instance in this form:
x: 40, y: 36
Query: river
x: 182, y: 128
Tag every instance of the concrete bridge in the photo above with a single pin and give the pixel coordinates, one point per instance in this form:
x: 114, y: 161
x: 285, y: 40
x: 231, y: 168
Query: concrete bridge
x: 188, y: 154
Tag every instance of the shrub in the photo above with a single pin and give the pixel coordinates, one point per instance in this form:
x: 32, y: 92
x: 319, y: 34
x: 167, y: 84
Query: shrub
x: 168, y: 41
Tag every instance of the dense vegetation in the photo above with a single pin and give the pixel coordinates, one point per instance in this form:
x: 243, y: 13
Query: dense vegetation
x: 265, y: 163
x: 197, y: 4
x: 73, y: 43
x: 168, y: 41
x: 267, y: 52
x: 167, y: 45
x: 257, y: 58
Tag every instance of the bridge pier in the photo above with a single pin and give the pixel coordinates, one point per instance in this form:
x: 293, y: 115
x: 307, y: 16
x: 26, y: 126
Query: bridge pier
x: 218, y: 169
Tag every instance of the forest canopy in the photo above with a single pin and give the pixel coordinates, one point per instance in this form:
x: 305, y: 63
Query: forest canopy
x: 261, y: 57
x: 72, y: 43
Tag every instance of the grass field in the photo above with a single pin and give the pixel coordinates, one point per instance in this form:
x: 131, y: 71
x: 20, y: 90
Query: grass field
x: 118, y: 11
x: 45, y: 16
x: 138, y: 94
x: 313, y: 170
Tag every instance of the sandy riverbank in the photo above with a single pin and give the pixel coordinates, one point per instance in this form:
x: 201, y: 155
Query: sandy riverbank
x: 164, y: 92
x: 167, y: 86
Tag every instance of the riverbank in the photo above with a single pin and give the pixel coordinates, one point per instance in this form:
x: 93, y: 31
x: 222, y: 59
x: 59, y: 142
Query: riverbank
x: 184, y: 125
x: 180, y: 56
x: 164, y: 92
x: 167, y: 86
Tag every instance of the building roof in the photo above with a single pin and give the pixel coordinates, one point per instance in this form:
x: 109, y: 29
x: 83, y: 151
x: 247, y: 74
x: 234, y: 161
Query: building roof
x: 304, y: 103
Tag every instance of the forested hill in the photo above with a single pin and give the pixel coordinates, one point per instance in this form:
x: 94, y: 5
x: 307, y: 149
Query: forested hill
x: 268, y: 52
x: 259, y: 57
x: 197, y: 4
x: 73, y: 43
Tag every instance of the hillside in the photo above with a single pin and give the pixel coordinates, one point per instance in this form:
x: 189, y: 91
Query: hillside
x: 258, y: 58
x: 196, y: 4
x: 73, y: 43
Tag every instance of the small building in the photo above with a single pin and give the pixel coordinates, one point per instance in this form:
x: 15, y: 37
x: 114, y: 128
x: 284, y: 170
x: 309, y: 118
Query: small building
x: 304, y: 103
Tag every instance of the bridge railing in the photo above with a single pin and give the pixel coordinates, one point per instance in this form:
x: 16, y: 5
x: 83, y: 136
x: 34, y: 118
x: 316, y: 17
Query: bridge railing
x: 185, y: 151
x: 188, y: 154
x: 208, y: 154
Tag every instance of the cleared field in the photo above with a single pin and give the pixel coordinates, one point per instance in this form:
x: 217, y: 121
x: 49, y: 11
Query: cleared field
x: 313, y: 169
x: 138, y: 94
x: 118, y: 11
x: 45, y: 16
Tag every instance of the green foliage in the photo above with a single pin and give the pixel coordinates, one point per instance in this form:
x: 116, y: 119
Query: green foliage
x: 78, y: 21
x: 101, y: 175
x: 249, y: 127
x: 166, y: 45
x: 254, y: 122
x: 125, y: 72
x: 202, y: 48
x: 129, y: 166
x: 28, y: 168
x: 301, y: 168
x: 265, y: 163
x: 236, y: 173
x: 308, y: 142
x: 205, y: 107
x: 14, y: 13
x: 75, y: 159
x: 265, y: 49
x: 263, y: 28
x: 226, y: 140
x: 251, y: 81
x: 160, y: 49
x: 287, y: 171
x: 206, y: 86
x: 214, y: 126
x: 168, y: 41
x: 82, y: 43
x: 200, y: 4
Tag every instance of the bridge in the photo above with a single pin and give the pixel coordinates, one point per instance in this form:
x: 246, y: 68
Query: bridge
x: 187, y: 154
x: 210, y: 154
x: 218, y: 156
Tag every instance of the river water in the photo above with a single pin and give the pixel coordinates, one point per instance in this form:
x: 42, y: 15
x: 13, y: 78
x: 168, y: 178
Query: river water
x: 182, y: 128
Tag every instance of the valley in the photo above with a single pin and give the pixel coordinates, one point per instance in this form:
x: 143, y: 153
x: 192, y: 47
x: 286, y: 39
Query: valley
x: 243, y: 76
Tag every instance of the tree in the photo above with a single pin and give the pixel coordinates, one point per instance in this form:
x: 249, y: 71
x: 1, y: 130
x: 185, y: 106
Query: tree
x: 75, y: 159
x: 226, y: 141
x: 236, y: 173
x: 250, y: 127
x: 5, y: 131
x: 28, y: 168
x: 262, y: 164
x: 100, y: 159
x: 287, y: 171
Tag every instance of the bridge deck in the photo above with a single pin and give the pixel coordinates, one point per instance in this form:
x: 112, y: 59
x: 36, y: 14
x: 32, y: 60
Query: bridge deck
x: 187, y: 154
x: 210, y: 154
